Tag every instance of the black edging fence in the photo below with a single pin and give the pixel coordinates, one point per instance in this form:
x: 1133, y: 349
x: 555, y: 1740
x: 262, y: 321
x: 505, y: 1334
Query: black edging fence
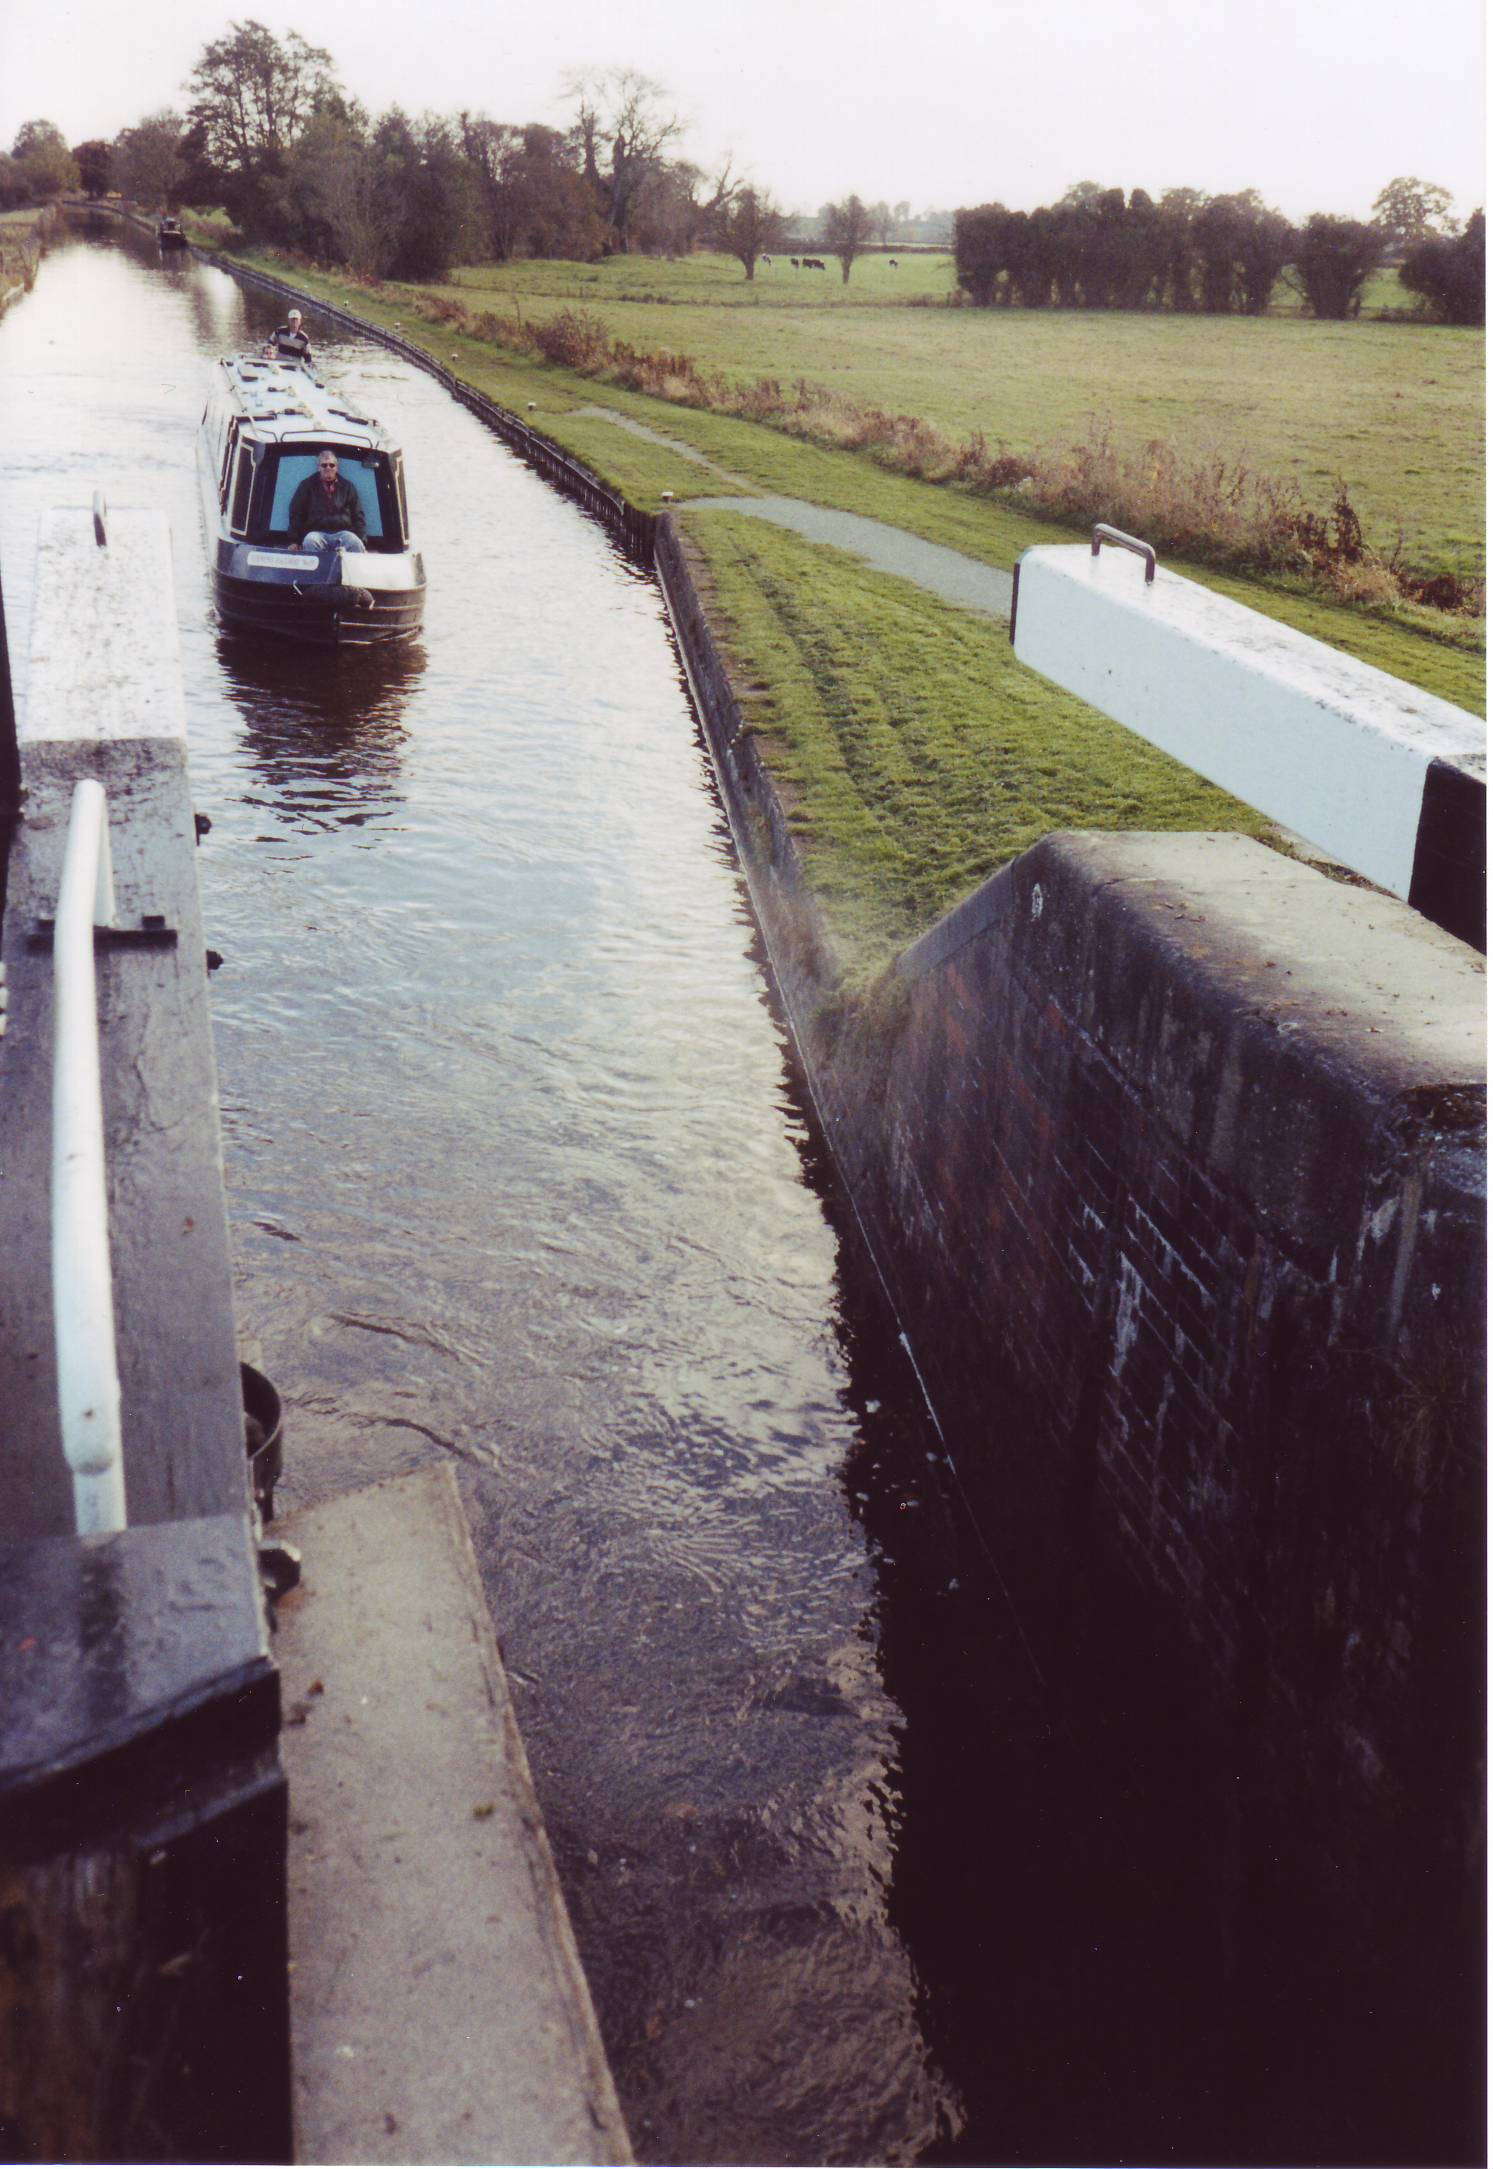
x: 634, y: 529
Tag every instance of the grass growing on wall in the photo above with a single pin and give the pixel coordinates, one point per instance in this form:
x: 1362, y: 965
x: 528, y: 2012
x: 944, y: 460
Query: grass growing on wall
x: 915, y: 754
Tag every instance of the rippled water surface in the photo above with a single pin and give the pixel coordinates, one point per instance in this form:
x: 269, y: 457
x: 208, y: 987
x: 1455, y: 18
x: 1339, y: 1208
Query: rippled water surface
x: 517, y: 1179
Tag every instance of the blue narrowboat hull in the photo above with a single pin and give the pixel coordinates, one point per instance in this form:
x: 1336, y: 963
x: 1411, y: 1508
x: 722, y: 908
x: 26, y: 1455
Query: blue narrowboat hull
x: 284, y: 592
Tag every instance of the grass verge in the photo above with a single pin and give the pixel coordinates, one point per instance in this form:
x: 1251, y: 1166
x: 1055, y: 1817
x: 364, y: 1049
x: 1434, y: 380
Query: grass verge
x: 22, y: 235
x: 1392, y: 409
x: 1184, y: 492
x: 913, y: 753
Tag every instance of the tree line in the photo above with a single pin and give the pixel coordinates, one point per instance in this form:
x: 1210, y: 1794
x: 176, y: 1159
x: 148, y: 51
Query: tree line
x: 1096, y: 248
x: 272, y: 137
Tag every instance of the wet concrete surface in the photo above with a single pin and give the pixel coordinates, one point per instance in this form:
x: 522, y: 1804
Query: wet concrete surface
x: 439, y: 2011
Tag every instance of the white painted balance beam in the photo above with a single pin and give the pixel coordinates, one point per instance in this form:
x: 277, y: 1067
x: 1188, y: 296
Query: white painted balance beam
x: 1386, y: 778
x: 88, y: 1396
x: 105, y: 669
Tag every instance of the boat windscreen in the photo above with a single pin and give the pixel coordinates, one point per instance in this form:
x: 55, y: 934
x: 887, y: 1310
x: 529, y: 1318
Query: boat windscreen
x: 293, y: 469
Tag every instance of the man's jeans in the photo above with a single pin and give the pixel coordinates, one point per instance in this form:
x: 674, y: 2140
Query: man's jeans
x: 327, y: 544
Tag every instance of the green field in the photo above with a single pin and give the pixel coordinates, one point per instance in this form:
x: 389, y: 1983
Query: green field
x: 1394, y: 410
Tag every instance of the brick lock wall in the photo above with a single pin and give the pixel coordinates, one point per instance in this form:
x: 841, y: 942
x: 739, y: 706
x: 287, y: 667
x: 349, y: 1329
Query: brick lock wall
x: 1174, y: 1154
x: 1235, y: 1270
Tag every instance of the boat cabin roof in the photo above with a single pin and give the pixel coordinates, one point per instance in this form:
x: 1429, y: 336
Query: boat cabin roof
x: 280, y: 403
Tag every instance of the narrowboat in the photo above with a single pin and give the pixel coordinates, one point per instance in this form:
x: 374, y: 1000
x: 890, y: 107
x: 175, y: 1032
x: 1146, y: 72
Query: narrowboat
x: 265, y: 423
x: 169, y: 233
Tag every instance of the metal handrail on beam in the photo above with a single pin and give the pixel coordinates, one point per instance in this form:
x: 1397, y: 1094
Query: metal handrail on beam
x: 88, y: 1393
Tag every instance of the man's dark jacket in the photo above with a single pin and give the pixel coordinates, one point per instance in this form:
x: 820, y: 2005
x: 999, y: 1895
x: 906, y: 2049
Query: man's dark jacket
x: 312, y: 513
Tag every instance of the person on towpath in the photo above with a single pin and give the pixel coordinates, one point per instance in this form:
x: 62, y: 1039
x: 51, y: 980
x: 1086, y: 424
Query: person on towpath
x: 289, y: 342
x: 326, y: 514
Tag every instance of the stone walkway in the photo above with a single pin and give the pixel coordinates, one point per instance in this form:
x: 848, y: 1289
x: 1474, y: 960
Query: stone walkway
x: 438, y: 2008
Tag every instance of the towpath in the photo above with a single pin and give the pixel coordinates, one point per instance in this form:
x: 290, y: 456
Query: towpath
x: 967, y: 582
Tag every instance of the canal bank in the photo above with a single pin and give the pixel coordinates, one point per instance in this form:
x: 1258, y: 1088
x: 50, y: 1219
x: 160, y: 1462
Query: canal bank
x: 1250, y: 1376
x: 23, y: 238
x: 1185, y: 1145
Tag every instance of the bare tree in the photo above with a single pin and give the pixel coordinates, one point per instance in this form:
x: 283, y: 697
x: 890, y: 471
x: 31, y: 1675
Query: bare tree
x: 752, y: 226
x: 847, y: 229
x: 621, y: 133
x: 711, y: 209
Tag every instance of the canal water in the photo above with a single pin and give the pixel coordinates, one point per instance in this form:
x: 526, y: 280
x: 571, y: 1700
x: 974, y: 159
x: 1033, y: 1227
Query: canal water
x: 521, y: 1179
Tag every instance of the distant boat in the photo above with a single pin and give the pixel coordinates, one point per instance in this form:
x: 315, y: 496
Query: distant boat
x: 264, y: 424
x: 170, y: 235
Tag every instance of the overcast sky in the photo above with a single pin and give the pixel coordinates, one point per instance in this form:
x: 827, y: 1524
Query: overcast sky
x: 1315, y: 102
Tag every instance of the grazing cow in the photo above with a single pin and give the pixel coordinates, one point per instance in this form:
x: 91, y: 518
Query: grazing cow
x: 767, y: 259
x: 794, y: 261
x: 892, y: 261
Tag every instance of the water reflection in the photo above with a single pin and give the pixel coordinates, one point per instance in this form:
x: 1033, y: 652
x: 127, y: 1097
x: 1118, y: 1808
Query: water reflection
x: 217, y: 306
x: 324, y: 728
x: 177, y: 268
